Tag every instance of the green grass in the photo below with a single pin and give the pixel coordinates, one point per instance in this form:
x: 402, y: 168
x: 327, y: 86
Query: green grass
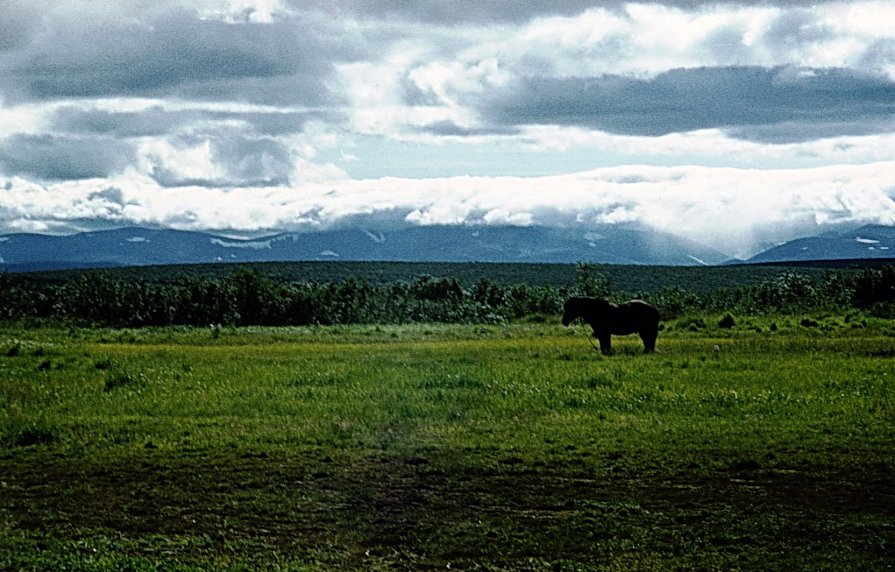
x: 416, y: 447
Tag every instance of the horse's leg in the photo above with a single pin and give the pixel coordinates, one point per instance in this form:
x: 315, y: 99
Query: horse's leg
x: 649, y: 340
x: 605, y: 344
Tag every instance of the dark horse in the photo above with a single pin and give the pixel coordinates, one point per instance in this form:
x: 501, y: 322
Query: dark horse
x: 607, y: 319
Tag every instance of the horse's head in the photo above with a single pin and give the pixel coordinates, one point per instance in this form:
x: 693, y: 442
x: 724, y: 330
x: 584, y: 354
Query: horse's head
x: 590, y: 309
x: 572, y: 309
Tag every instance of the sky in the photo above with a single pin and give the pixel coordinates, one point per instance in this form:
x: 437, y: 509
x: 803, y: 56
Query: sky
x: 736, y: 124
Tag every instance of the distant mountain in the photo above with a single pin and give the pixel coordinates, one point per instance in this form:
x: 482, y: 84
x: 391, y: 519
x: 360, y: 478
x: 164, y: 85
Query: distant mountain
x: 867, y: 242
x: 140, y: 246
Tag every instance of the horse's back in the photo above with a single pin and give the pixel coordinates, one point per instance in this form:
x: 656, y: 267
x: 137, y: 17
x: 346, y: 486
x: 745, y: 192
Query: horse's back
x: 639, y: 314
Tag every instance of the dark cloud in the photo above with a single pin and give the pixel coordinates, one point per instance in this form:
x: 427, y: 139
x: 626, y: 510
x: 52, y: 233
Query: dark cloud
x: 18, y: 19
x: 57, y: 158
x: 179, y: 54
x: 150, y: 122
x: 741, y: 99
x: 478, y: 12
x: 451, y: 129
x: 157, y: 121
x: 457, y: 11
x: 281, y: 122
x: 798, y: 132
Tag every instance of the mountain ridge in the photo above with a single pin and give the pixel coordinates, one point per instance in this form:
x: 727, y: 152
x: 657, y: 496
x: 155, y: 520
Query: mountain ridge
x: 867, y: 242
x: 138, y: 246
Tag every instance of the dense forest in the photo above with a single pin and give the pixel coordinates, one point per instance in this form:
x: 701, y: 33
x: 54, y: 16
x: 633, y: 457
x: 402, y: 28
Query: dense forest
x: 250, y: 296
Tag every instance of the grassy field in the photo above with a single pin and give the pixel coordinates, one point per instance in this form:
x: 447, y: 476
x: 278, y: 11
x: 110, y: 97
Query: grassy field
x: 436, y: 447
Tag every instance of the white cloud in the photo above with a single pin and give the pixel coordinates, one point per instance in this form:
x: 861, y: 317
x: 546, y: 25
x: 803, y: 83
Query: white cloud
x: 235, y: 11
x: 23, y: 118
x: 713, y: 147
x: 182, y: 162
x: 731, y: 209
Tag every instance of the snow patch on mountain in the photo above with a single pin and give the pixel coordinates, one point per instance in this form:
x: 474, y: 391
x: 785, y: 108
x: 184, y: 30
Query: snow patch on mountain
x: 376, y: 237
x: 253, y: 245
x: 698, y: 260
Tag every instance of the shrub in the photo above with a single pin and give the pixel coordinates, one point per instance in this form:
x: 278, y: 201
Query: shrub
x: 591, y: 281
x: 674, y: 302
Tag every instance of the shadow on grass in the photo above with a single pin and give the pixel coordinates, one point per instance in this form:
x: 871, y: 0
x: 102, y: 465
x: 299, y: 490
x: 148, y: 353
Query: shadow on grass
x: 422, y: 511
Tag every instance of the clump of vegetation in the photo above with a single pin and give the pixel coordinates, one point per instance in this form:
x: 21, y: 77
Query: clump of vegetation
x: 125, y: 379
x: 727, y: 322
x: 692, y: 324
x: 591, y: 281
x: 34, y: 433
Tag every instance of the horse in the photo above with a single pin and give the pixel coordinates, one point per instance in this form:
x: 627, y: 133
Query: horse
x: 608, y: 319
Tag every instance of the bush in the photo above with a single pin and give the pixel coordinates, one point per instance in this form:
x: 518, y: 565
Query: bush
x: 591, y: 281
x: 874, y: 287
x: 674, y: 302
x: 789, y: 292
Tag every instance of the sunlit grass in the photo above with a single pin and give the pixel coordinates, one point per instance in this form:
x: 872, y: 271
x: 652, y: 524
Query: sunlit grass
x: 444, y: 385
x: 530, y: 400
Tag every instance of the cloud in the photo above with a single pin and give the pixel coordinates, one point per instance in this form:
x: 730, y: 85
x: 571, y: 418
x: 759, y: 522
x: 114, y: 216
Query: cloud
x: 49, y: 157
x: 823, y: 101
x: 733, y: 210
x: 691, y: 65
x: 435, y: 12
x: 175, y: 52
x: 18, y: 18
x: 216, y: 162
x: 157, y: 120
x: 475, y: 12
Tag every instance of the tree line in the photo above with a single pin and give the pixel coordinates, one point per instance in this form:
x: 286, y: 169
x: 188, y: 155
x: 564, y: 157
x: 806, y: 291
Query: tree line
x: 247, y: 297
